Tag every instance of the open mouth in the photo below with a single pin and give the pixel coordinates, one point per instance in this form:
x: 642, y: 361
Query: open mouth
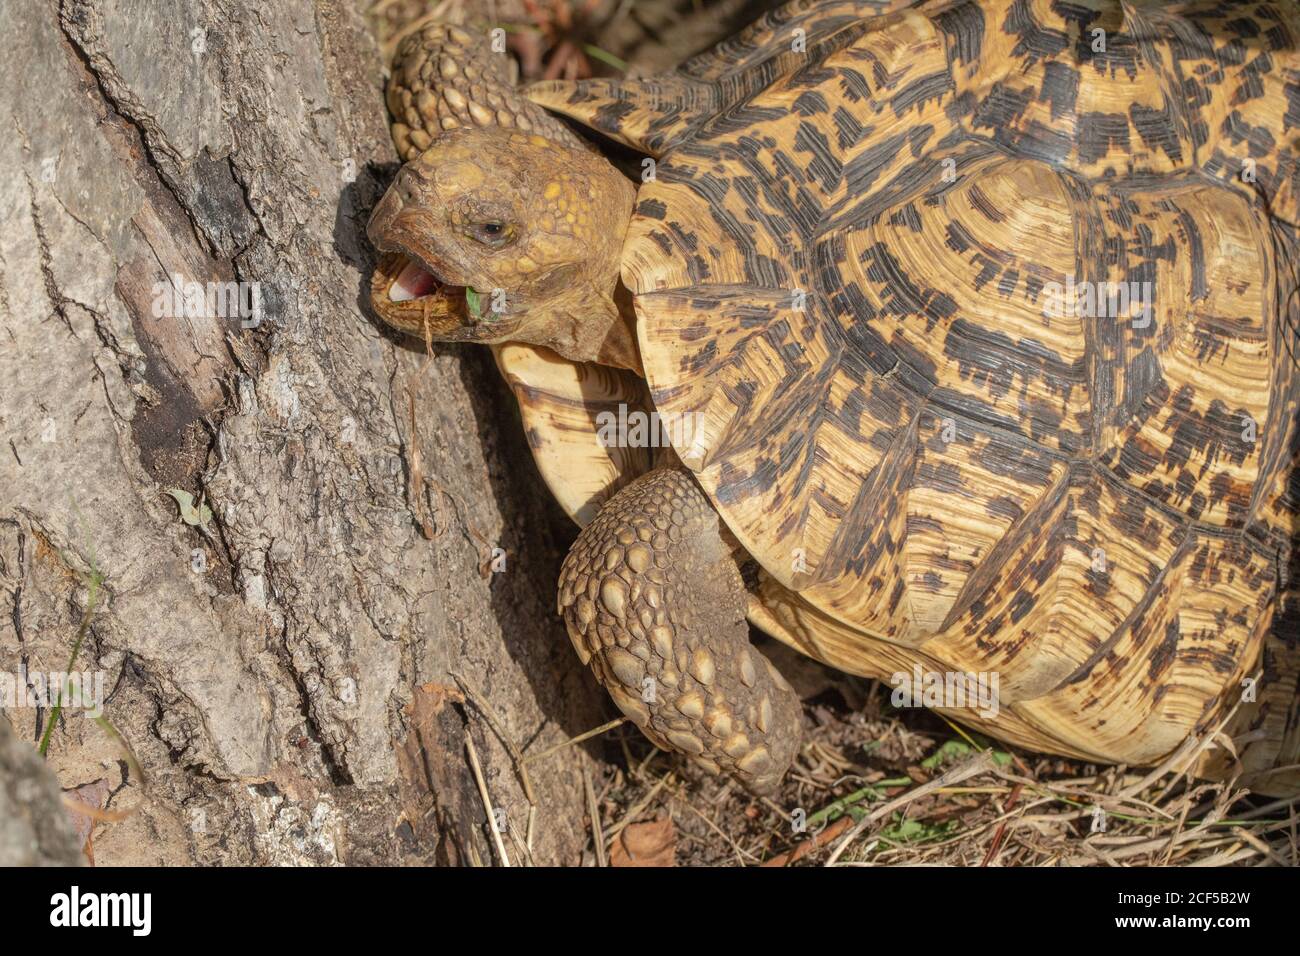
x: 414, y: 282
x: 410, y: 296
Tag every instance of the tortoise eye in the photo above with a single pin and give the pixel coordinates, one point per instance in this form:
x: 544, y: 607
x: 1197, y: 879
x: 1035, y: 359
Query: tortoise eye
x: 492, y: 233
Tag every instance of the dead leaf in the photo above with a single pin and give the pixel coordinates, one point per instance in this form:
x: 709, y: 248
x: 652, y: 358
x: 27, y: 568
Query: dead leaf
x: 83, y: 805
x: 646, y: 844
x: 191, y: 515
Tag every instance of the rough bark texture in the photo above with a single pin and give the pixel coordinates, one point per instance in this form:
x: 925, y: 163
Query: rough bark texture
x: 263, y: 669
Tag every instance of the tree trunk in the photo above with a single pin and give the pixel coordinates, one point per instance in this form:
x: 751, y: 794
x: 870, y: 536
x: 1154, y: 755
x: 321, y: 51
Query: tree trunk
x: 283, y: 668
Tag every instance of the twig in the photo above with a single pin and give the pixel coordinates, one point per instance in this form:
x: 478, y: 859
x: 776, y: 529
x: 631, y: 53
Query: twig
x: 971, y: 768
x: 575, y: 740
x: 487, y: 801
x: 740, y: 851
x: 814, y: 842
x: 1001, y: 831
x: 518, y: 758
x: 640, y: 806
x: 593, y: 810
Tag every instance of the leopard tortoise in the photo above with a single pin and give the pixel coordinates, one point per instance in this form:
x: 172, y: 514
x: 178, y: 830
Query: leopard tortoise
x: 978, y: 316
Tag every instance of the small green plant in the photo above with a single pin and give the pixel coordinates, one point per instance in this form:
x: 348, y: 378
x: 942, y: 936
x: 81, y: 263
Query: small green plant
x: 850, y: 802
x: 954, y: 749
x: 901, y: 831
x: 94, y: 580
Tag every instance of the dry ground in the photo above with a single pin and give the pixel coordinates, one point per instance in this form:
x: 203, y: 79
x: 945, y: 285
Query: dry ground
x: 875, y: 785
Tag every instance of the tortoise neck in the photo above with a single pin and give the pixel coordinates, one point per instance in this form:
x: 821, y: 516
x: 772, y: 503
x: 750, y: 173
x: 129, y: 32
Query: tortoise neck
x: 620, y: 347
x: 591, y: 326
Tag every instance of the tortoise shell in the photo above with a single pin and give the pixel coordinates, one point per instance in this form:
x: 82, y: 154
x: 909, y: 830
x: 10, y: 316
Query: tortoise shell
x: 981, y: 314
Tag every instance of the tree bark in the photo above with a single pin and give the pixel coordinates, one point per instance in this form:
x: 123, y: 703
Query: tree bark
x: 284, y: 669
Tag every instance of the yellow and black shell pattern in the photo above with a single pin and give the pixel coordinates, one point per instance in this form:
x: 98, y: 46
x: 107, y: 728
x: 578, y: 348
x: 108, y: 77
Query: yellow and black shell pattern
x: 982, y: 314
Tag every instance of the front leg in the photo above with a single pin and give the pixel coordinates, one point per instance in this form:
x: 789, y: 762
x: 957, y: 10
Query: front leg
x: 653, y: 601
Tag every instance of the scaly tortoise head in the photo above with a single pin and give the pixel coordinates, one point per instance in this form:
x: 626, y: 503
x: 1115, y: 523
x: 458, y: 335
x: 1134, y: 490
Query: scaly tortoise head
x: 843, y: 267
x: 503, y: 227
x: 494, y: 234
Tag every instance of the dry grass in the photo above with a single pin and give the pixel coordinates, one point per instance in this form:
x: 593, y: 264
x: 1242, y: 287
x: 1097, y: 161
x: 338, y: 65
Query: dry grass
x: 880, y: 787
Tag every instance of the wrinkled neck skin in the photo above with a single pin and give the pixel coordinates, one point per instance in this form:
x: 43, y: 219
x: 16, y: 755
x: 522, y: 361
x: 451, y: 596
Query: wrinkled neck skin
x: 621, y: 344
x: 592, y: 325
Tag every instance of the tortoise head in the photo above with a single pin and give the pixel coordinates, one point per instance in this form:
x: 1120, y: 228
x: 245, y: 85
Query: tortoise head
x: 495, y: 234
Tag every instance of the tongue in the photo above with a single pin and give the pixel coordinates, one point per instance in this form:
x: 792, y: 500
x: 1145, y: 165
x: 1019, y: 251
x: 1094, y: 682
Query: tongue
x: 414, y: 282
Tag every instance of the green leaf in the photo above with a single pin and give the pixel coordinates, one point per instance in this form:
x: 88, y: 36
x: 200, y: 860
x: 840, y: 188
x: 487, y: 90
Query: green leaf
x: 195, y: 517
x: 475, y: 301
x: 917, y: 831
x: 953, y: 749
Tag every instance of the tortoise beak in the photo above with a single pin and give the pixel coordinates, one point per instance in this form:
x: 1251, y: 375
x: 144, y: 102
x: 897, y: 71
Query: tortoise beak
x: 411, y: 298
x: 413, y: 289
